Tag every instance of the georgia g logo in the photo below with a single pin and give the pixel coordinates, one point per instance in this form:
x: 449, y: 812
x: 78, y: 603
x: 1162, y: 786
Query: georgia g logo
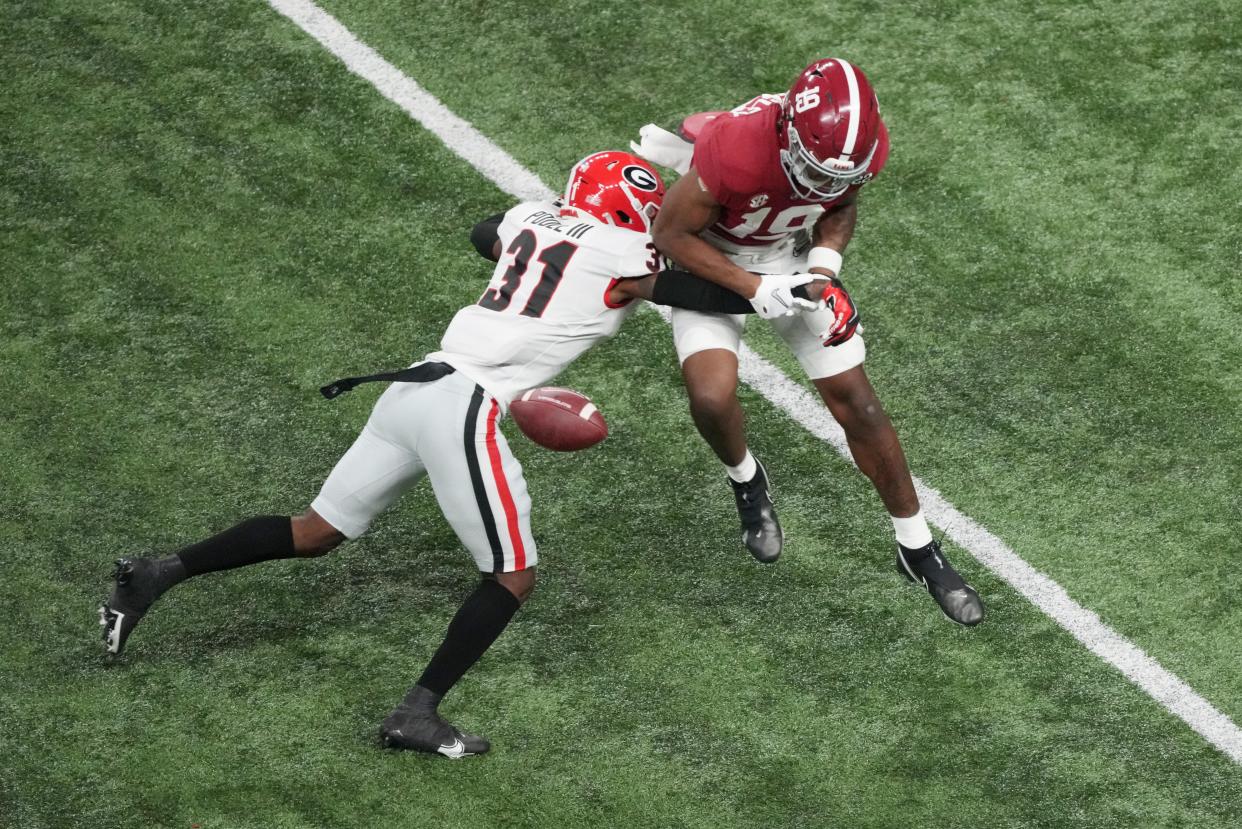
x: 640, y: 178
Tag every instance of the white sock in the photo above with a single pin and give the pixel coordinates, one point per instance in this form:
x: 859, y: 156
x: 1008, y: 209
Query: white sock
x: 912, y: 532
x: 745, y: 470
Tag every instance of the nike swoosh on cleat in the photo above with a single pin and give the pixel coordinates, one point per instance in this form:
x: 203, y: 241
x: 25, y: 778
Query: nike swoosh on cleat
x: 112, y: 633
x: 913, y: 577
x: 453, y: 751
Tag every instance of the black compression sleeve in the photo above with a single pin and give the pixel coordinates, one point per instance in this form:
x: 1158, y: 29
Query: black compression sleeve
x: 485, y: 234
x: 682, y: 289
x: 258, y: 539
x: 478, y: 622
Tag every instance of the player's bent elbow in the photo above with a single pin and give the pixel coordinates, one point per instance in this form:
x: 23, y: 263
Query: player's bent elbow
x: 666, y: 238
x: 639, y: 287
x: 486, y: 238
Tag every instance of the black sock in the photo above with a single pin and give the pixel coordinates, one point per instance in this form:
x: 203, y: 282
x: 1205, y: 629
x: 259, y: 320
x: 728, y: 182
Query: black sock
x: 917, y: 555
x: 258, y: 539
x: 482, y: 617
x: 421, y: 701
x: 914, y: 554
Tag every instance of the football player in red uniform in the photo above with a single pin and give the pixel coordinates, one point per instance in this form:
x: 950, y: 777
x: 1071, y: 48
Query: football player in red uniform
x: 772, y: 187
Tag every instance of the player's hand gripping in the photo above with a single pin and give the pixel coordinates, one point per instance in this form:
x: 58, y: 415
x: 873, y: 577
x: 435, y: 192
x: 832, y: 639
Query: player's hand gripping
x: 775, y: 298
x: 844, y: 314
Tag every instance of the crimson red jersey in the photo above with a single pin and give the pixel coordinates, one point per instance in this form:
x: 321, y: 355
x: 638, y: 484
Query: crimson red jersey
x: 737, y: 157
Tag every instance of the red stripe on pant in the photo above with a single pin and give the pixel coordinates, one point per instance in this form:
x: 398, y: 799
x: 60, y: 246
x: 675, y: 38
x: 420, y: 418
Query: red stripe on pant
x: 502, y: 488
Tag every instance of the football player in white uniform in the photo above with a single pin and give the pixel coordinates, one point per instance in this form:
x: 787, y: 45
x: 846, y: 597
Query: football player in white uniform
x: 566, y: 278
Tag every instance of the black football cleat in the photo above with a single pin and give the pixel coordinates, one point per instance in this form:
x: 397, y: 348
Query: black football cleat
x: 139, y: 582
x: 928, y: 566
x: 761, y: 531
x: 428, y: 732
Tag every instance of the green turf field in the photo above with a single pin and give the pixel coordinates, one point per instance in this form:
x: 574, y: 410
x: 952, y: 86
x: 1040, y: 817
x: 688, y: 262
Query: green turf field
x: 204, y: 216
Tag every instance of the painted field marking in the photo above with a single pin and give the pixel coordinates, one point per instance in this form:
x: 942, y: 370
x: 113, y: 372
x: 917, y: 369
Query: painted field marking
x: 506, y: 173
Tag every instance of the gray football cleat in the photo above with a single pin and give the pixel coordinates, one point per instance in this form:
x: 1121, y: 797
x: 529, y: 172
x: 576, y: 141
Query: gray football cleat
x: 761, y: 531
x: 429, y: 732
x: 928, y: 566
x: 139, y: 582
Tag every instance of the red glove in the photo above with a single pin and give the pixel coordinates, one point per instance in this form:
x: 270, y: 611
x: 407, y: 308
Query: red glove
x: 845, y: 315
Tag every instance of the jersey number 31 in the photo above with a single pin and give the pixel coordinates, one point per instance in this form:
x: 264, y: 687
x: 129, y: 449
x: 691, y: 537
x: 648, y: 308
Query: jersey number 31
x: 554, y: 259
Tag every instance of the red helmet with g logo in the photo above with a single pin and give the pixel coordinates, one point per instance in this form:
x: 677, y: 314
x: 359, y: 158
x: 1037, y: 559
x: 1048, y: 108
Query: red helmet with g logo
x: 830, y: 128
x: 617, y: 188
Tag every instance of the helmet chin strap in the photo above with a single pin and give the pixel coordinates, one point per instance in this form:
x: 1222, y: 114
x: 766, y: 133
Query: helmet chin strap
x: 811, y: 194
x: 806, y: 191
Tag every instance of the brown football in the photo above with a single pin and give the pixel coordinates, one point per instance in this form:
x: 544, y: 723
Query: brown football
x: 559, y: 419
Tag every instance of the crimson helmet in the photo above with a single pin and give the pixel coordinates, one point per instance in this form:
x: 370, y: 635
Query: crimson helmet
x: 617, y: 188
x: 829, y: 129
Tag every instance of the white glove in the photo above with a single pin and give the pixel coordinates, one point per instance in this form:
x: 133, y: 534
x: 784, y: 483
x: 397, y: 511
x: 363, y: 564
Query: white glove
x: 774, y: 297
x: 667, y: 149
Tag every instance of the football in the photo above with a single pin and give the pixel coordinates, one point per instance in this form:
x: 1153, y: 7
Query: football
x: 559, y: 419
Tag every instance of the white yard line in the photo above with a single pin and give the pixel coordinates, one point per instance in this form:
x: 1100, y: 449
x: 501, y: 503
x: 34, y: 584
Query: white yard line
x: 510, y: 176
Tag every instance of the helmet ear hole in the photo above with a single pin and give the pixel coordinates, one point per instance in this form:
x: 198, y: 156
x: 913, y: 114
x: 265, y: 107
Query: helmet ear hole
x: 625, y: 217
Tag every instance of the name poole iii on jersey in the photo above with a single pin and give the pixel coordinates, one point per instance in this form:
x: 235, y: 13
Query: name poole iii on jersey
x: 547, y: 300
x: 737, y: 158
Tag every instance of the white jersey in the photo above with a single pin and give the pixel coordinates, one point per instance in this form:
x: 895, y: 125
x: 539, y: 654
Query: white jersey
x: 547, y: 301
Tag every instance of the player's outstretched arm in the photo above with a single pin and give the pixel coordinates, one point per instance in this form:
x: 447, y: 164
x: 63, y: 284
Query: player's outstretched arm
x: 681, y: 289
x: 485, y: 236
x: 688, y: 210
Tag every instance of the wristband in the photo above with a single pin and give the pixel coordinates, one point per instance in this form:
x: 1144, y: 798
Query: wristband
x: 822, y: 257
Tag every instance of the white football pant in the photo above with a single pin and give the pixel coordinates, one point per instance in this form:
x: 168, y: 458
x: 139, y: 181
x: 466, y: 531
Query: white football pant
x: 447, y: 430
x: 695, y: 331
